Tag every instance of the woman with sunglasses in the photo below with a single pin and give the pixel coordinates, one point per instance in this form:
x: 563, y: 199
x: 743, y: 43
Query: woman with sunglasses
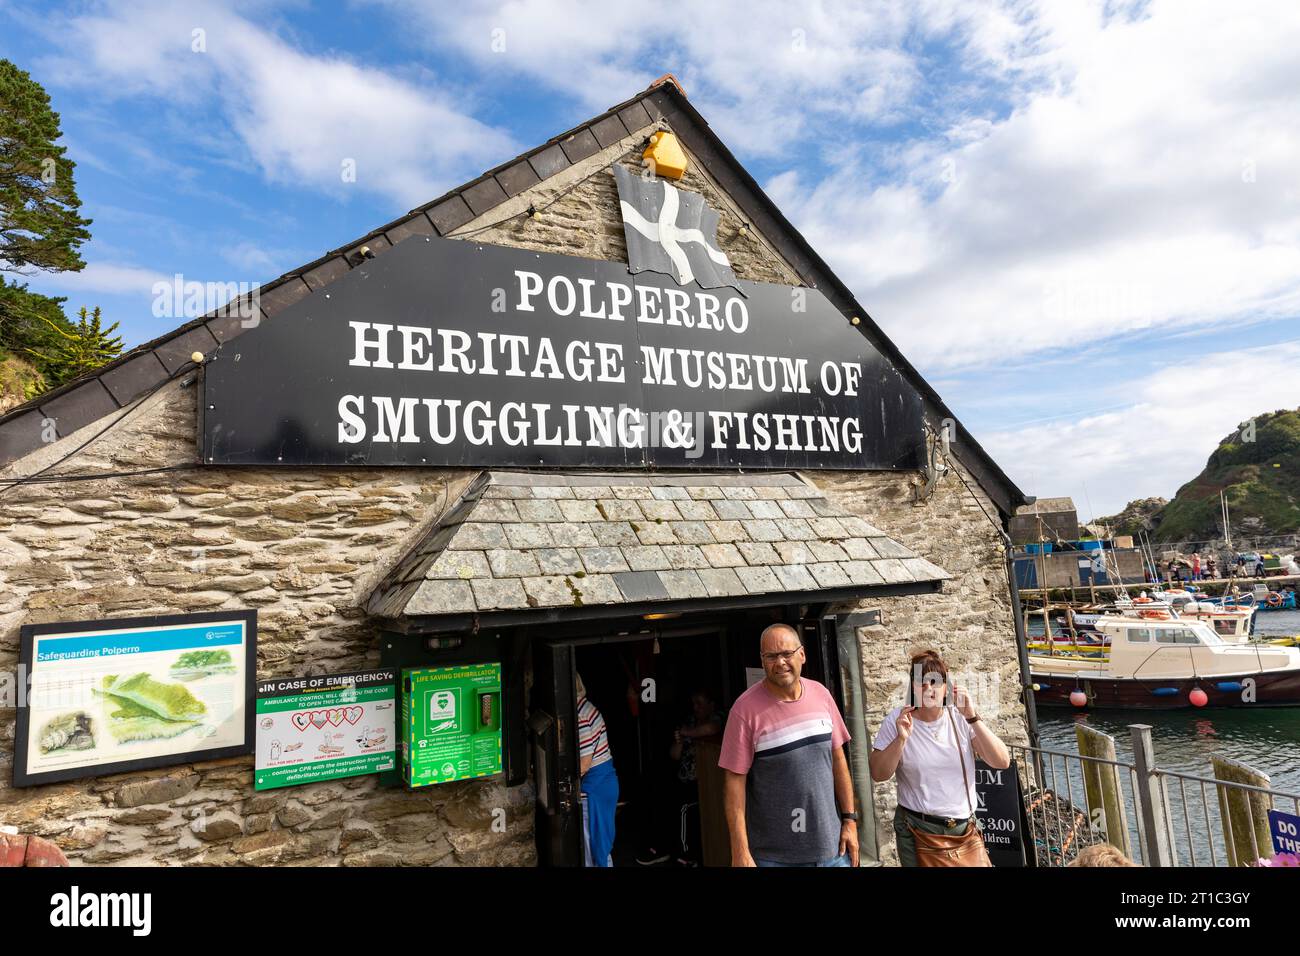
x: 931, y: 744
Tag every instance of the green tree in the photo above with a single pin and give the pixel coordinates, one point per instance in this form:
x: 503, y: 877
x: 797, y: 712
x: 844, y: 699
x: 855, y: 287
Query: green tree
x: 82, y: 348
x: 40, y: 226
x: 30, y: 324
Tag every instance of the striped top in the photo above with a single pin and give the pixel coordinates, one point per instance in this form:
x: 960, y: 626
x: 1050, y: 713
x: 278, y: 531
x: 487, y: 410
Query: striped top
x: 593, y: 742
x: 786, y: 749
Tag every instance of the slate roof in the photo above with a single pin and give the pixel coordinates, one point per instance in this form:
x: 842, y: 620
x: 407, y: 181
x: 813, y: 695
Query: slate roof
x: 92, y: 396
x: 517, y: 541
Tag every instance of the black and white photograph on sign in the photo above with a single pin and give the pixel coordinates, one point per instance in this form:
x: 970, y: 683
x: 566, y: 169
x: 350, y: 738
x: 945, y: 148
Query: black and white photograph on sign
x: 553, y: 434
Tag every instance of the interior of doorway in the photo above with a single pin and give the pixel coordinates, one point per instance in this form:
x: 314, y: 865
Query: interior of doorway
x: 644, y: 688
x: 644, y: 685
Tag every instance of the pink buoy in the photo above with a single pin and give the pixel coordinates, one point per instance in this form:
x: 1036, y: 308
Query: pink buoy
x: 1198, y: 697
x: 1078, y: 698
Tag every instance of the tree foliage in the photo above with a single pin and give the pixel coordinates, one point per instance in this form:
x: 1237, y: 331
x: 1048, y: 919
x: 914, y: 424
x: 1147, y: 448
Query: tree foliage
x: 30, y: 324
x: 83, y: 347
x: 40, y: 227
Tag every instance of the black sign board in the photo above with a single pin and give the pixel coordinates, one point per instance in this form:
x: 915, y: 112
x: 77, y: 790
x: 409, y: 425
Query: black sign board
x: 443, y: 352
x: 1001, y: 814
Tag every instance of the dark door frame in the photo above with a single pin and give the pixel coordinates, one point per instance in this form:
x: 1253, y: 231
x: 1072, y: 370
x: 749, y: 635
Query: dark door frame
x: 553, y: 734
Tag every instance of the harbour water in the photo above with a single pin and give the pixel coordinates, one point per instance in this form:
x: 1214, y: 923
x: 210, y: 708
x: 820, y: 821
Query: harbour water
x: 1267, y: 739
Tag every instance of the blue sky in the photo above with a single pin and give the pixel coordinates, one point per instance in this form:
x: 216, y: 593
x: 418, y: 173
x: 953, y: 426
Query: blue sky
x: 1081, y: 221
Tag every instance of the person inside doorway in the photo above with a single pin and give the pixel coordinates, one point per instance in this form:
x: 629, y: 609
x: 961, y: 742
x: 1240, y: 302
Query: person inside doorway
x: 788, y: 792
x: 705, y: 720
x: 599, y: 783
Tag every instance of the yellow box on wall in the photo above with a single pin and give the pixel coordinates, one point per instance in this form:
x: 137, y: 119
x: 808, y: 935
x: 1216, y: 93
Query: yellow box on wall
x: 665, y: 156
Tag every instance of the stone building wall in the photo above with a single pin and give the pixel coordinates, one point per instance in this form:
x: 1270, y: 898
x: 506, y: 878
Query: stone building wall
x: 971, y: 623
x: 306, y: 546
x: 302, y: 547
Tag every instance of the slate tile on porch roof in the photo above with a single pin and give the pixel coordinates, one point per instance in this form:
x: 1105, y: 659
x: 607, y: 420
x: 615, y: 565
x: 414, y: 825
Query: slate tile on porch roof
x: 521, y: 540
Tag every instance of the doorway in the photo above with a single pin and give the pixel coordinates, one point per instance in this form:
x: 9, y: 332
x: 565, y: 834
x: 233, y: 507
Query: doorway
x: 646, y: 683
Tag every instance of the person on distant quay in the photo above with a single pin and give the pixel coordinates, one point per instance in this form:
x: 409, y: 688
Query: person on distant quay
x: 788, y: 791
x: 1211, y: 568
x: 1196, y: 565
x: 931, y: 745
x: 596, y: 778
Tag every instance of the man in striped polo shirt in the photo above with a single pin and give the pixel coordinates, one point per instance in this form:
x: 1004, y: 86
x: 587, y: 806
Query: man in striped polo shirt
x: 789, y: 794
x: 598, y: 781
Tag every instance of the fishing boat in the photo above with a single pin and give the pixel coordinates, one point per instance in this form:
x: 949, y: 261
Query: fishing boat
x: 1283, y: 600
x: 1234, y: 623
x: 1153, y: 663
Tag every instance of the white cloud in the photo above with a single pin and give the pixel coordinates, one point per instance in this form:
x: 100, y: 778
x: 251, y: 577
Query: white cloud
x: 1160, y: 440
x: 254, y: 259
x: 301, y: 118
x: 1066, y: 172
x: 1145, y: 178
x: 102, y: 278
x: 764, y: 72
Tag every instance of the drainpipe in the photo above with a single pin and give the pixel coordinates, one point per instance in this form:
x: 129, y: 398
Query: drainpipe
x: 1022, y: 641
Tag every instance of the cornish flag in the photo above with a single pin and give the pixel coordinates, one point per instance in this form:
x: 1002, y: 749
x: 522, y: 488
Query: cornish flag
x: 672, y: 232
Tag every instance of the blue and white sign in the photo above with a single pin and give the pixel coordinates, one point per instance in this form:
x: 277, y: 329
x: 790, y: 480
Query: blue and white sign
x: 1285, y: 830
x: 137, y: 693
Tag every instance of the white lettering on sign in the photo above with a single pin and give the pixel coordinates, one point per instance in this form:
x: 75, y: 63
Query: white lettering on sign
x: 441, y: 352
x: 654, y: 306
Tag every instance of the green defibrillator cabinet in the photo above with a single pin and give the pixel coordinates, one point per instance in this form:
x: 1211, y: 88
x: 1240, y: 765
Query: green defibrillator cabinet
x: 451, y: 723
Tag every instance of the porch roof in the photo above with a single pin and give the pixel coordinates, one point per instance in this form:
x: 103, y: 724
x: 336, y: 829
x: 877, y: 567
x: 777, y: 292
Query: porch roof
x: 520, y: 541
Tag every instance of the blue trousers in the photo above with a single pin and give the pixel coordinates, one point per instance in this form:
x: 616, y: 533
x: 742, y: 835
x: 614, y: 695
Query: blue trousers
x: 841, y: 860
x: 601, y: 787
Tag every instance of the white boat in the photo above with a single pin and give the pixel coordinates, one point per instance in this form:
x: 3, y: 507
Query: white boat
x: 1153, y: 662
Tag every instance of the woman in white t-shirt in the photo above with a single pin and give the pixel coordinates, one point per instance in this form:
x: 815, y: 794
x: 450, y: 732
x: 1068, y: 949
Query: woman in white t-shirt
x: 932, y: 749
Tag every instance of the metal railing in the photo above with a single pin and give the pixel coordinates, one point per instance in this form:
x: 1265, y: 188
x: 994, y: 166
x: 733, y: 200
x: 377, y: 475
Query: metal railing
x: 1074, y: 800
x: 1222, y: 838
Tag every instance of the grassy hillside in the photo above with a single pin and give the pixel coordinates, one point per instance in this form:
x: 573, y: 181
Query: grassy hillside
x: 19, y: 381
x: 1260, y: 478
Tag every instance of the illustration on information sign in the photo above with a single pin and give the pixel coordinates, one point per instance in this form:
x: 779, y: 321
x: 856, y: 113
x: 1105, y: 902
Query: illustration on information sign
x: 451, y: 723
x: 324, y: 727
x: 111, y: 696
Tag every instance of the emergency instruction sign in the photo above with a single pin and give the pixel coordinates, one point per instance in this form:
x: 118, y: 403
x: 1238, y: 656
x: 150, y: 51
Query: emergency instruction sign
x: 323, y: 727
x: 451, y: 723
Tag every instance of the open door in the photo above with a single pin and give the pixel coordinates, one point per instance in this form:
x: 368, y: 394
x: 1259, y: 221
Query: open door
x: 552, y: 729
x: 822, y: 654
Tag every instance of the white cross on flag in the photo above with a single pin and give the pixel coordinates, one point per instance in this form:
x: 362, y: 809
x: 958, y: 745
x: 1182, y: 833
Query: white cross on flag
x: 672, y: 232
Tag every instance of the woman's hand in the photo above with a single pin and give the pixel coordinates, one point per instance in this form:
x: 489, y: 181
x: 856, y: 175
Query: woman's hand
x: 962, y: 698
x: 904, y: 723
x: 884, y: 762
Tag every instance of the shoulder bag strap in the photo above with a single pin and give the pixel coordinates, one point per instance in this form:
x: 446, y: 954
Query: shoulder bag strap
x: 961, y: 755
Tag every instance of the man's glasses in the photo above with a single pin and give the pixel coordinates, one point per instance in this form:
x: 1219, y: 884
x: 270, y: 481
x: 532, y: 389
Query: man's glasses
x: 774, y: 656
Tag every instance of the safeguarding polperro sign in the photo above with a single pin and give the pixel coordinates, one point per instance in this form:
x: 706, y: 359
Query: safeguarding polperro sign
x: 444, y: 352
